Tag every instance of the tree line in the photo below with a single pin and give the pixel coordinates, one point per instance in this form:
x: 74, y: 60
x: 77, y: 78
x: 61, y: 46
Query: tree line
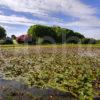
x: 41, y: 34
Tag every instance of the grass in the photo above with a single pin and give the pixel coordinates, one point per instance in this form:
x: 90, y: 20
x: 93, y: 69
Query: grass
x: 73, y: 68
x: 54, y: 45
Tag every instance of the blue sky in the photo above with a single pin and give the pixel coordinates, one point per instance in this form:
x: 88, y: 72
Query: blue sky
x: 80, y: 15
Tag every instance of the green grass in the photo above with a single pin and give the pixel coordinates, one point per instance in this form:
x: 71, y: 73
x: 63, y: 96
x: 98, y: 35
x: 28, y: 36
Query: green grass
x: 54, y: 45
x: 61, y: 67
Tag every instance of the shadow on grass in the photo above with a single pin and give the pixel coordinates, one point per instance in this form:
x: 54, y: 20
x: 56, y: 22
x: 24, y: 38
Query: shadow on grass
x: 12, y: 90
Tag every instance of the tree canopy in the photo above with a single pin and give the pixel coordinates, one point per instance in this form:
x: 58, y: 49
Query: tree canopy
x: 58, y: 34
x: 41, y: 31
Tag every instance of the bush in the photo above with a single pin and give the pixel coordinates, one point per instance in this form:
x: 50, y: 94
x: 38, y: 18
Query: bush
x: 8, y: 40
x: 74, y: 40
x: 88, y: 41
x: 2, y: 41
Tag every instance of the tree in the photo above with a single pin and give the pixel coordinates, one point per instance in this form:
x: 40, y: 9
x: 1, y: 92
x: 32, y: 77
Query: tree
x: 60, y: 33
x: 55, y: 34
x: 79, y: 35
x: 73, y: 39
x: 71, y: 33
x: 2, y: 33
x: 88, y: 41
x: 13, y: 37
x: 41, y: 31
x: 8, y: 40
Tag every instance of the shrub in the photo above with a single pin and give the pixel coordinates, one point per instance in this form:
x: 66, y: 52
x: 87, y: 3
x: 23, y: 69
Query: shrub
x: 8, y: 40
x: 73, y: 39
x: 88, y: 41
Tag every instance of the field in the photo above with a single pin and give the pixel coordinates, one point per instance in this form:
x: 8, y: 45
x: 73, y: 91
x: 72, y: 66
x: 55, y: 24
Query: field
x: 72, y: 68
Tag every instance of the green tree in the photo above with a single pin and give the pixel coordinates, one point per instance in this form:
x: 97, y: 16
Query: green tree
x: 88, y: 41
x: 58, y: 34
x: 73, y: 39
x: 2, y: 33
x: 71, y: 33
x: 40, y: 31
x: 79, y: 35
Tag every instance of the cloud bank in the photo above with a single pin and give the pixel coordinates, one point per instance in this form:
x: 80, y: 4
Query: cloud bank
x: 81, y: 15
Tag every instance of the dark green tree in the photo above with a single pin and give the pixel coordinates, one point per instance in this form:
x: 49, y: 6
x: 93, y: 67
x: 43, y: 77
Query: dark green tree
x: 13, y: 37
x: 88, y: 41
x: 2, y: 33
x: 41, y: 31
x: 74, y: 40
x: 56, y: 33
x: 60, y: 32
x: 79, y: 35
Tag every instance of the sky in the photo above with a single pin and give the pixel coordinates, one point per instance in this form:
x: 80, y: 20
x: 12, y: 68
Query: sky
x: 83, y: 16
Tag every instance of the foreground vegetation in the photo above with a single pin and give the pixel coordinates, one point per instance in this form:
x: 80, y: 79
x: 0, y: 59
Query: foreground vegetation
x: 67, y: 68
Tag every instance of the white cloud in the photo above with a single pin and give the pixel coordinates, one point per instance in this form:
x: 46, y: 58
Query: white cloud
x: 88, y: 22
x: 46, y: 9
x: 19, y: 20
x: 14, y: 20
x: 90, y: 32
x: 74, y: 8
